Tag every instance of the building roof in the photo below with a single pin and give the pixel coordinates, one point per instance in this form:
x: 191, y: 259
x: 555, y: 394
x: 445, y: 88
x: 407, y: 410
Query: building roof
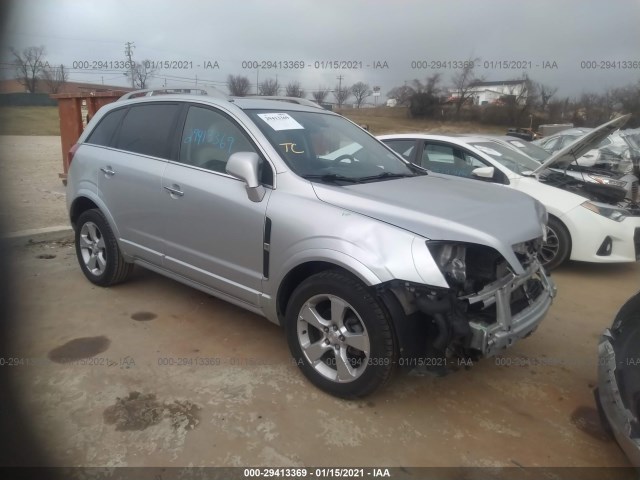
x: 495, y: 83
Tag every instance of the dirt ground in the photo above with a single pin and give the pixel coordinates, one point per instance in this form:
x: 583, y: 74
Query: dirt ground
x: 153, y: 373
x: 33, y: 195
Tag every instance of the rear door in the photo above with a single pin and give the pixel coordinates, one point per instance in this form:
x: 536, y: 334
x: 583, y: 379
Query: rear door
x: 130, y: 176
x: 213, y: 232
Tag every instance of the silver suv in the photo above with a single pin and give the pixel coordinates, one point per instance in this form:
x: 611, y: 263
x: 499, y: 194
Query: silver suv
x: 299, y: 215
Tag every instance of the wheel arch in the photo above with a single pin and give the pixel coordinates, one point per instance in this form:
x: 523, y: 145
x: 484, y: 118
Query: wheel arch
x: 557, y: 219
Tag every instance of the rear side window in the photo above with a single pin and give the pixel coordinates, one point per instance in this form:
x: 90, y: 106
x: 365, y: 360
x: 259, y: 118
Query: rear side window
x: 103, y: 132
x: 148, y: 129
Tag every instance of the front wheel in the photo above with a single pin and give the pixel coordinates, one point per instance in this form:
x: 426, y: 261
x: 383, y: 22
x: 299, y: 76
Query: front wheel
x: 340, y: 335
x: 557, y: 248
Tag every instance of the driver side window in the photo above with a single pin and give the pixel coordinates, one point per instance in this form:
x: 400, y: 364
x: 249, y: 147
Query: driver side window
x: 209, y: 138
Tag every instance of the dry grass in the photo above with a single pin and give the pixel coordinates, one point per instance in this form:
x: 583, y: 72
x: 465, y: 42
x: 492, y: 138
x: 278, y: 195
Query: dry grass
x: 382, y: 120
x: 29, y: 121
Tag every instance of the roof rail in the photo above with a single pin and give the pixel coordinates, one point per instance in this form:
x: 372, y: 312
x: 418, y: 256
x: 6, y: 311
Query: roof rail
x: 149, y: 92
x: 282, y: 98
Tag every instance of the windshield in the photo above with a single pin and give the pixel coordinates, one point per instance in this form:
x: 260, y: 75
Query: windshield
x: 326, y: 147
x: 533, y: 151
x: 507, y: 157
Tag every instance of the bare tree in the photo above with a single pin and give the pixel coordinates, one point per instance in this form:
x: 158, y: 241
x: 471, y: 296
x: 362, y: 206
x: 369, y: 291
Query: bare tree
x: 140, y: 72
x: 295, y: 90
x: 463, y: 83
x: 238, y: 85
x: 402, y: 94
x: 341, y: 94
x: 320, y: 95
x: 425, y: 100
x: 360, y: 91
x: 30, y: 65
x: 55, y: 78
x: 546, y: 94
x: 269, y: 87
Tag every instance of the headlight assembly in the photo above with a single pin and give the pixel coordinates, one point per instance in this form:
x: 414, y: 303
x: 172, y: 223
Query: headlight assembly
x: 607, y: 181
x: 612, y: 213
x: 451, y: 259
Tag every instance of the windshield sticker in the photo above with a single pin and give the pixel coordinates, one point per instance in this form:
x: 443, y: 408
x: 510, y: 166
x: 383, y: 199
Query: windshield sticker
x: 290, y: 147
x: 280, y: 121
x: 517, y: 144
x: 488, y: 151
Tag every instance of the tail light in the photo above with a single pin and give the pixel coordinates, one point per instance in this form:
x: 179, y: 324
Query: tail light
x: 71, y: 153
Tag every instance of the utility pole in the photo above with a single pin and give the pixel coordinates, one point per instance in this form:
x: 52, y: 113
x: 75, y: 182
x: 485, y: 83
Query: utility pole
x: 340, y: 77
x: 128, y: 46
x: 257, y: 80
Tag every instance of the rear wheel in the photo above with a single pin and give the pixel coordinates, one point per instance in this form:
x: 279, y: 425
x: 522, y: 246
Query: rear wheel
x: 340, y: 335
x: 98, y: 252
x: 557, y: 248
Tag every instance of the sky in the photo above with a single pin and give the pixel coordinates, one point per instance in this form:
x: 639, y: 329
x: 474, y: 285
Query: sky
x: 576, y: 46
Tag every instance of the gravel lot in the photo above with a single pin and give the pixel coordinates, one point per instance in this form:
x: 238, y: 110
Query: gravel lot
x: 152, y: 373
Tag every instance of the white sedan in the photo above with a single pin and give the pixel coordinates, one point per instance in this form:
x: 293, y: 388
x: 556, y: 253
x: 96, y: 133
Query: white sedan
x: 587, y: 222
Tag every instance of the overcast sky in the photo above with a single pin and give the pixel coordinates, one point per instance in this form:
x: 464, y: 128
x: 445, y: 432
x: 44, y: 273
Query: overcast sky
x: 537, y: 33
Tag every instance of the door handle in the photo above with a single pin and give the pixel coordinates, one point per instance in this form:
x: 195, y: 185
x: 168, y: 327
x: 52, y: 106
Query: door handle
x: 175, y: 190
x: 108, y: 171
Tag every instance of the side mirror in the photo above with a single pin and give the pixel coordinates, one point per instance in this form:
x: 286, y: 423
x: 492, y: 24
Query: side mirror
x: 245, y: 166
x: 484, y: 172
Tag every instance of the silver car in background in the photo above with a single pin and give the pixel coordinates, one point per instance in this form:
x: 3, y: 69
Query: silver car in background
x: 367, y: 261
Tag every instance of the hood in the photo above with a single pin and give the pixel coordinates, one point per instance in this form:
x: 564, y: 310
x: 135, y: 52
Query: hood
x: 445, y: 208
x: 567, y: 155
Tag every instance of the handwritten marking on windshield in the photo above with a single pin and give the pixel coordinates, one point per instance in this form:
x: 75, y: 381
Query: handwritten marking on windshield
x: 290, y: 147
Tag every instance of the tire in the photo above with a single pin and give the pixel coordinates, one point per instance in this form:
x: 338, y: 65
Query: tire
x: 98, y: 252
x: 626, y: 345
x: 556, y: 250
x: 350, y: 356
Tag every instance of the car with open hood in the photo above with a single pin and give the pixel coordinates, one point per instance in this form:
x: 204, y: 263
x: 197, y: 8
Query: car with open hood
x: 608, y: 171
x: 587, y: 221
x: 618, y: 391
x: 367, y: 261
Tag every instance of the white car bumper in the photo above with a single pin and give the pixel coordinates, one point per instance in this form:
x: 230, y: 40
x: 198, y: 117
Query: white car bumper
x: 590, y: 232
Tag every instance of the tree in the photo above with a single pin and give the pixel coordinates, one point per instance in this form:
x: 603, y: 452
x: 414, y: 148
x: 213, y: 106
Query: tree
x: 140, y: 72
x: 269, y: 87
x: 463, y: 83
x: 238, y: 85
x: 360, y: 91
x: 30, y: 65
x: 55, y: 78
x: 294, y: 90
x: 546, y: 93
x: 320, y: 95
x: 402, y: 94
x: 341, y: 94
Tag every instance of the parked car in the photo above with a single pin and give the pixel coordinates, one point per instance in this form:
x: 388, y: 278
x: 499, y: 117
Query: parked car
x: 616, y: 142
x: 605, y: 173
x: 367, y: 261
x: 587, y: 221
x: 618, y: 392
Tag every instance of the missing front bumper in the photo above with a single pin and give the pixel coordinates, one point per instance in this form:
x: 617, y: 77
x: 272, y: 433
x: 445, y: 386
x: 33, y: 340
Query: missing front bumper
x: 489, y: 338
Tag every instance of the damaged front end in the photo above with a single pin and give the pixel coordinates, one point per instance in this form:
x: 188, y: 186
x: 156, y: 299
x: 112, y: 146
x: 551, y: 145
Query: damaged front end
x: 487, y: 308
